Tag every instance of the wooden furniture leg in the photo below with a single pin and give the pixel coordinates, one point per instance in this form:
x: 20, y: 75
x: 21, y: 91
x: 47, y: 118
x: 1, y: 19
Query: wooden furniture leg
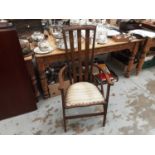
x: 43, y: 79
x: 31, y: 73
x: 131, y: 60
x: 105, y: 106
x: 143, y: 55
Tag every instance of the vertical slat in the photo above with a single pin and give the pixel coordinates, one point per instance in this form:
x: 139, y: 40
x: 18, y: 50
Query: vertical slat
x: 80, y: 55
x: 87, y: 54
x: 75, y: 58
x: 92, y: 54
x: 72, y: 55
x: 65, y: 42
x: 67, y: 57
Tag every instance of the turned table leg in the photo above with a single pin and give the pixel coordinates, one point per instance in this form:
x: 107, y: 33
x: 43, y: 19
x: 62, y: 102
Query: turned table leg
x: 43, y: 79
x: 140, y: 63
x: 131, y: 60
x: 32, y: 75
x: 146, y: 48
x: 44, y: 84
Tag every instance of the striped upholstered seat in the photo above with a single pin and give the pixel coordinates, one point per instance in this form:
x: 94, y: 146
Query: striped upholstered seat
x: 83, y: 94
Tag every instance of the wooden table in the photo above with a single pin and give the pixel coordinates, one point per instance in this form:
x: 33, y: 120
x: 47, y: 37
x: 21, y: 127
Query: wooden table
x: 148, y: 25
x: 148, y: 43
x: 43, y: 61
x: 30, y: 69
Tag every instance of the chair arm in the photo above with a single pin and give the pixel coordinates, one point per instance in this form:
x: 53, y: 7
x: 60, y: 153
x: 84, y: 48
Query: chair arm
x: 61, y: 77
x: 105, y: 73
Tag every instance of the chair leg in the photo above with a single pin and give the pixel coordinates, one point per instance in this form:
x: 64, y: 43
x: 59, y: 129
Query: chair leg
x: 63, y: 110
x: 106, y: 104
x: 64, y: 120
x: 105, y: 114
x: 108, y: 92
x: 65, y: 128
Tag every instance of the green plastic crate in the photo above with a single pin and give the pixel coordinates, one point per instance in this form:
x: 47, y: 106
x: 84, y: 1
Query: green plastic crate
x: 149, y: 63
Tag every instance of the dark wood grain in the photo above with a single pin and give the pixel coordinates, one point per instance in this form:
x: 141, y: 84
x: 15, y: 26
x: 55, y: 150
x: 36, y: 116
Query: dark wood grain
x: 31, y: 72
x: 16, y: 90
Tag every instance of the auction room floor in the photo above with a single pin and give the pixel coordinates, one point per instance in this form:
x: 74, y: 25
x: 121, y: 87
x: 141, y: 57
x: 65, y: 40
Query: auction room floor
x: 131, y: 111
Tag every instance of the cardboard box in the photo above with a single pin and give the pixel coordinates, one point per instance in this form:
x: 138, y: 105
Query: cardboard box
x: 121, y: 65
x: 53, y: 88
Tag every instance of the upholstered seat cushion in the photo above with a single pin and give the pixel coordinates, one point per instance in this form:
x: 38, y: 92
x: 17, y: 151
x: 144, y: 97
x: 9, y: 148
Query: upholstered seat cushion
x: 83, y: 94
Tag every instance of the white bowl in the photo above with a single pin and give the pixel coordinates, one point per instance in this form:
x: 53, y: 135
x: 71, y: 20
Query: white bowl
x: 37, y: 36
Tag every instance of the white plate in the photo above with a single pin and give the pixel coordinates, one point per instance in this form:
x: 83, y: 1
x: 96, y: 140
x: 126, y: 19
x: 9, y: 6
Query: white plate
x: 111, y: 33
x: 143, y: 33
x: 38, y: 51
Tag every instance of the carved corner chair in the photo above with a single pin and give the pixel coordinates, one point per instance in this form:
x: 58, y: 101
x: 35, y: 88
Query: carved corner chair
x: 83, y: 90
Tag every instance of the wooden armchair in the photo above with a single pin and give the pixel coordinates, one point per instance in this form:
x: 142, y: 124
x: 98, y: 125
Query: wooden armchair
x: 83, y: 90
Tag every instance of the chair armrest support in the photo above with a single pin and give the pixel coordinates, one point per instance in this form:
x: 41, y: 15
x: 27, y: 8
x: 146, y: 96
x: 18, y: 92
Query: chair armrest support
x: 61, y: 77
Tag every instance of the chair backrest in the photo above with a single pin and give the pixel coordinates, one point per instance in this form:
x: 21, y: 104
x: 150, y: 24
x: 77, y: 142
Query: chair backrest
x: 79, y: 46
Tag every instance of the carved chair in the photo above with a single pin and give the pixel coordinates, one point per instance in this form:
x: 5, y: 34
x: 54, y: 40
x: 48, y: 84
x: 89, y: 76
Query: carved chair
x: 83, y: 90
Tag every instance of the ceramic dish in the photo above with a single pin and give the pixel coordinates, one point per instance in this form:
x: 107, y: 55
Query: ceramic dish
x: 111, y: 33
x: 38, y: 51
x: 37, y: 36
x: 62, y: 46
x: 101, y: 39
x: 57, y: 35
x: 44, y: 45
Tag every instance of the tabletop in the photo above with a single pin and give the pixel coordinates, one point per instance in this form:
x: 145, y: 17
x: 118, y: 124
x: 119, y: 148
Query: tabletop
x: 51, y: 39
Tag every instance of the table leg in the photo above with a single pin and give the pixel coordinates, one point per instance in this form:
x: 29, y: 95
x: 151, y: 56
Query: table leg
x: 140, y: 63
x: 34, y: 82
x: 31, y: 72
x: 43, y: 79
x: 44, y: 84
x: 143, y: 55
x: 131, y: 60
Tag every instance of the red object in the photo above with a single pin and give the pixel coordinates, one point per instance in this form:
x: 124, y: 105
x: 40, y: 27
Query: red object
x: 103, y: 78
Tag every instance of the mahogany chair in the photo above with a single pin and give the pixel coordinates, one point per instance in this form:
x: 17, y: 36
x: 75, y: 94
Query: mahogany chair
x: 83, y: 90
